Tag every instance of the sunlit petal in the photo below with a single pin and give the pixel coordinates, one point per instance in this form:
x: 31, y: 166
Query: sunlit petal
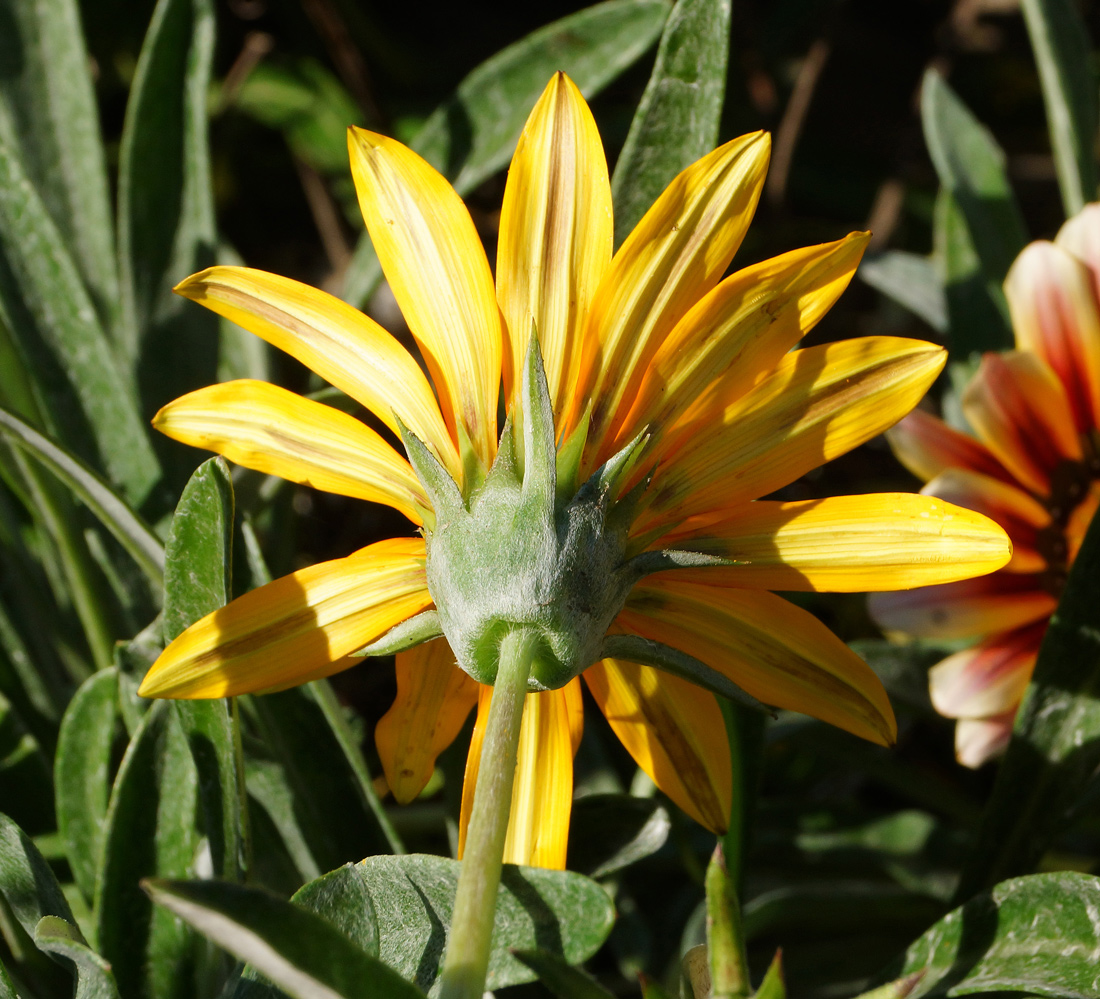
x: 434, y: 698
x: 878, y: 541
x: 556, y: 235
x: 963, y: 610
x: 927, y: 446
x: 978, y: 740
x: 779, y: 653
x: 436, y: 268
x: 298, y: 628
x: 1019, y: 409
x: 343, y: 346
x: 267, y: 428
x: 675, y: 732
x: 988, y: 679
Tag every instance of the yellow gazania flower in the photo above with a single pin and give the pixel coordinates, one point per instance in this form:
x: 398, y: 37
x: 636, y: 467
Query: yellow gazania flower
x: 1034, y: 468
x: 647, y: 337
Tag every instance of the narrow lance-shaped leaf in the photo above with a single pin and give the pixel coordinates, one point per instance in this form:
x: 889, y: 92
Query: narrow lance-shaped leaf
x: 27, y: 883
x: 1060, y: 41
x: 911, y: 280
x: 473, y: 134
x: 1055, y: 747
x: 565, y: 981
x: 94, y: 979
x: 677, y: 119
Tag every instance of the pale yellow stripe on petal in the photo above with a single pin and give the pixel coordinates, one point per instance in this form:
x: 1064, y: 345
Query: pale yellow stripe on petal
x: 675, y: 732
x: 779, y: 653
x: 345, y: 347
x: 819, y: 403
x: 434, y: 698
x: 739, y: 331
x: 436, y: 268
x: 556, y: 237
x: 1019, y: 409
x: 878, y: 541
x: 675, y: 255
x: 297, y: 628
x: 988, y: 679
x: 542, y: 792
x: 1054, y: 314
x: 271, y: 430
x: 927, y: 446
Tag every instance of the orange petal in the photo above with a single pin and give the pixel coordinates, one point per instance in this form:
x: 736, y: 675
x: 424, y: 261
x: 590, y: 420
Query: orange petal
x: 1000, y: 602
x: 1019, y: 409
x: 436, y: 268
x: 988, y: 679
x: 927, y: 446
x: 434, y: 698
x: 1077, y: 524
x: 675, y: 732
x: 1054, y: 313
x: 298, y: 628
x: 978, y: 740
x: 777, y: 652
x: 542, y: 793
x: 556, y: 237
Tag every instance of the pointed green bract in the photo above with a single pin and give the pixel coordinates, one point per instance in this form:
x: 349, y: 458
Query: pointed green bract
x: 417, y: 630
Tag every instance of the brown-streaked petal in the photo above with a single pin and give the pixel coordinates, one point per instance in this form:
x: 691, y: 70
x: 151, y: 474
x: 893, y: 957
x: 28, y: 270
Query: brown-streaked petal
x: 434, y: 698
x: 436, y: 267
x: 988, y: 679
x: 271, y: 430
x: 1019, y: 409
x: 852, y: 544
x: 675, y: 732
x: 556, y: 237
x: 1079, y: 520
x: 979, y: 740
x: 345, y: 347
x: 674, y: 256
x: 999, y: 602
x: 777, y: 652
x: 298, y: 628
x: 927, y: 446
x: 542, y: 793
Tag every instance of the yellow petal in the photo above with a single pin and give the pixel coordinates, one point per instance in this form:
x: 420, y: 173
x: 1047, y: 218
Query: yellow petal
x: 966, y: 609
x: 819, y: 403
x: 298, y: 628
x: 434, y: 698
x: 777, y: 652
x: 542, y: 793
x: 277, y: 432
x: 675, y: 255
x: 887, y: 541
x: 927, y: 446
x: 556, y: 236
x: 675, y: 732
x: 1054, y: 314
x: 979, y: 740
x: 1019, y: 409
x: 436, y: 267
x: 740, y: 330
x: 343, y: 346
x: 988, y: 679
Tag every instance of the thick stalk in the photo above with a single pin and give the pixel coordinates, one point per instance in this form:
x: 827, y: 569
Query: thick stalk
x: 467, y: 958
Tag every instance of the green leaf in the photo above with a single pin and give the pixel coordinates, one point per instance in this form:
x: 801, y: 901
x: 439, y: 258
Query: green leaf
x: 473, y: 134
x: 971, y: 166
x: 773, y: 986
x: 302, y: 953
x: 725, y: 936
x: 113, y: 512
x: 977, y: 310
x: 677, y: 119
x: 48, y: 112
x: 1055, y: 747
x: 611, y: 831
x: 911, y: 280
x: 26, y: 881
x: 94, y: 979
x: 165, y: 203
x: 1037, y: 935
x: 1060, y: 41
x: 7, y: 989
x: 343, y: 898
x: 413, y: 896
x: 82, y: 778
x: 562, y: 979
x: 87, y: 394
x: 150, y: 831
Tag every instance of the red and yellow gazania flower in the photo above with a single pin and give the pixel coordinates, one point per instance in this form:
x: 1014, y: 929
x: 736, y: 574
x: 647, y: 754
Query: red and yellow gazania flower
x: 648, y: 340
x: 1033, y: 467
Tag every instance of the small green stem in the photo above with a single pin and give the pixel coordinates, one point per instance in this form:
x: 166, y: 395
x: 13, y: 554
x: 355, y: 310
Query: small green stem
x: 467, y: 959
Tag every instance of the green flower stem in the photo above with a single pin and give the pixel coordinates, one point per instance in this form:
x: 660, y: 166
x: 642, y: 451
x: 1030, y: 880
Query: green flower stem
x: 467, y: 958
x: 245, y: 860
x: 745, y: 732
